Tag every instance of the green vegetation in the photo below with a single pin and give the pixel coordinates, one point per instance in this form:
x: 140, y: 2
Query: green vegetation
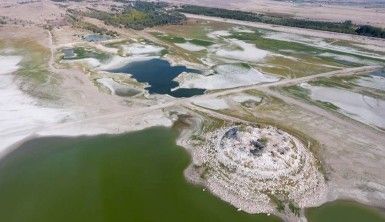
x: 328, y: 105
x: 282, y: 47
x: 201, y: 42
x: 178, y: 39
x: 302, y: 93
x: 86, y: 53
x: 82, y: 53
x: 117, y: 44
x: 33, y: 73
x: 298, y: 92
x: 280, y: 205
x: 139, y: 15
x: 294, y: 209
x: 274, y: 45
x: 33, y: 67
x: 309, y: 58
x: 348, y: 83
x: 344, y: 27
x: 371, y: 31
x: 170, y: 38
x: 334, y: 81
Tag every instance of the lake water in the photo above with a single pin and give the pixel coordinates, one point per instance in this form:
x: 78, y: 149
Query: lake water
x: 159, y: 74
x: 341, y: 211
x: 136, y: 177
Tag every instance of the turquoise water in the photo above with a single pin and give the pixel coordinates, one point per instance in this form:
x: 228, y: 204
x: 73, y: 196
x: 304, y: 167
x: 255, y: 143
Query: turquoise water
x: 136, y: 177
x: 159, y: 74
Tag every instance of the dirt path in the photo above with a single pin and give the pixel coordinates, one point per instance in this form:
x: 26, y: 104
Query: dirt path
x: 215, y: 113
x: 342, y: 72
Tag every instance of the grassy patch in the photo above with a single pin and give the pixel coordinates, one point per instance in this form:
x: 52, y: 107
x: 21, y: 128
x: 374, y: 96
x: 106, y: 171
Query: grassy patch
x: 294, y: 209
x: 116, y: 44
x: 136, y: 15
x: 34, y: 74
x: 82, y: 53
x: 298, y: 91
x: 342, y: 82
x: 327, y: 105
x: 280, y: 204
x: 172, y: 38
x: 278, y: 46
x: 201, y: 42
x: 33, y: 66
x: 302, y: 93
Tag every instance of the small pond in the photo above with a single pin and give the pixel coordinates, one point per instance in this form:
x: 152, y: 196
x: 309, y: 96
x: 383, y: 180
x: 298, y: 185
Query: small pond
x: 159, y: 74
x: 96, y: 37
x: 69, y: 53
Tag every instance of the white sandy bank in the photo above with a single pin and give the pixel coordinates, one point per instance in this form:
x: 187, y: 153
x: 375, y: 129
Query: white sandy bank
x: 374, y: 82
x: 20, y: 114
x: 228, y: 76
x: 245, y: 52
x: 141, y: 48
x: 214, y: 103
x: 190, y: 47
x: 360, y: 107
x: 23, y: 116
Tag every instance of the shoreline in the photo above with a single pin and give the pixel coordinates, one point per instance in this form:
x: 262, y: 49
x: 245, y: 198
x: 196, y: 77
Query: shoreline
x: 190, y: 175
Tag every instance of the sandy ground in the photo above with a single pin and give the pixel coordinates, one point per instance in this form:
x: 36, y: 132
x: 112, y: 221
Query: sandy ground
x: 228, y: 76
x: 20, y: 113
x: 37, y: 12
x: 357, y: 14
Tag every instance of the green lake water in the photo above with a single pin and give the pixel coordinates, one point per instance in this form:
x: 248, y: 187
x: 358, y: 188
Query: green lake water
x: 344, y: 211
x: 135, y: 177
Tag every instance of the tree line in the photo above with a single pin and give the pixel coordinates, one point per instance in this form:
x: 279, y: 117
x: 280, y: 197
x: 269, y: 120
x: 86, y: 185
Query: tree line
x: 139, y: 15
x: 343, y: 27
